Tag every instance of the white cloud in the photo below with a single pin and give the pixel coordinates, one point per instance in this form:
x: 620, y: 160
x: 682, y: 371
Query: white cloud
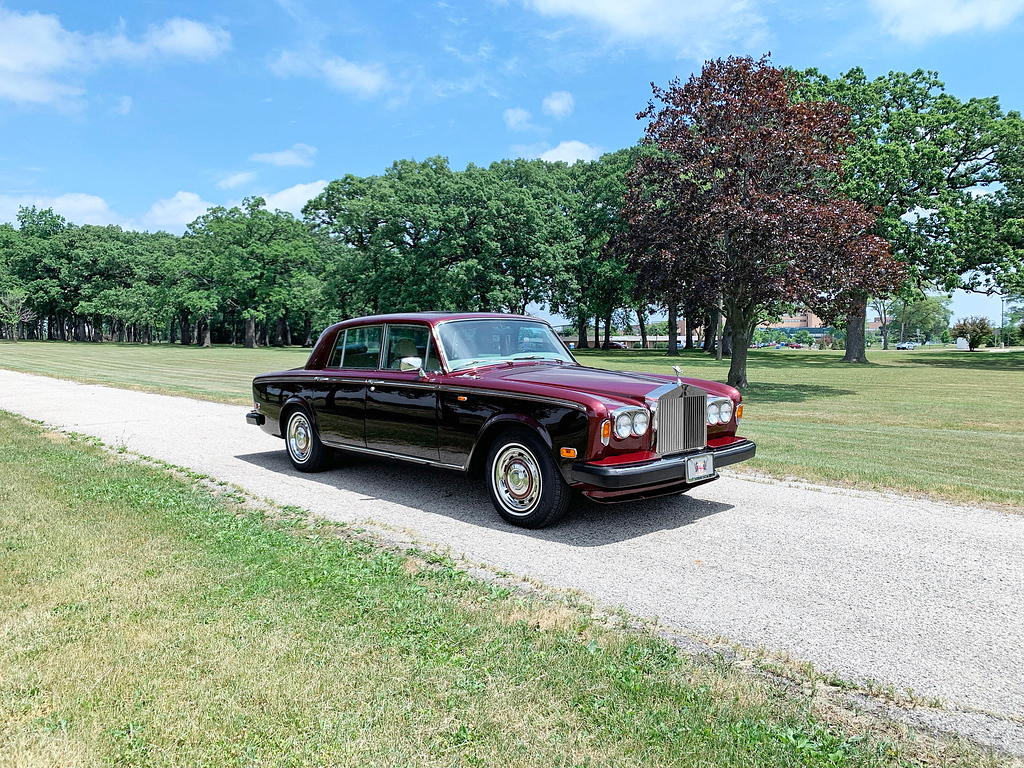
x: 360, y: 80
x: 918, y: 20
x: 76, y: 207
x: 517, y: 119
x: 571, y: 151
x: 293, y: 198
x: 187, y: 39
x: 237, y: 179
x: 299, y: 154
x: 559, y: 105
x: 175, y: 213
x: 124, y: 105
x: 694, y: 29
x: 38, y: 55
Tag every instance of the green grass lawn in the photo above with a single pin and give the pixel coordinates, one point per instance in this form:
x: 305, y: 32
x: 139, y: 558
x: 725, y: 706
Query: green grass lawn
x: 145, y: 621
x: 941, y: 422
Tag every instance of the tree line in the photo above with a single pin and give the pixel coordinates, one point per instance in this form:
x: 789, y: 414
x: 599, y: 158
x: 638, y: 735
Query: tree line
x: 754, y: 190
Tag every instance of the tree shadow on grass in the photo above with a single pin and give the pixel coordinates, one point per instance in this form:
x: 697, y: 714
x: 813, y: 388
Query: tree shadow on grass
x: 463, y: 498
x: 791, y: 393
x: 977, y: 360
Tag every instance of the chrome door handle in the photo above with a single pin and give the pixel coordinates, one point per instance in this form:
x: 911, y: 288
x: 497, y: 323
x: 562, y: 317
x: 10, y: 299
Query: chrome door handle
x: 320, y: 378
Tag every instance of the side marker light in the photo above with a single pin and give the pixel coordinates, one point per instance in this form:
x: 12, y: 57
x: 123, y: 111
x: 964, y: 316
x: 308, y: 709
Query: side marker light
x: 568, y: 453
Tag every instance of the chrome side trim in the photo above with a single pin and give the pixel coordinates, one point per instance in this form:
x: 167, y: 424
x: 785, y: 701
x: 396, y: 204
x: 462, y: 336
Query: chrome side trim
x: 514, y: 396
x: 390, y: 455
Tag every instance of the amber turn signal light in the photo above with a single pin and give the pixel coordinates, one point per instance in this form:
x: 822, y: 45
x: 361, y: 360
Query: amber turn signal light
x: 739, y: 411
x: 568, y: 453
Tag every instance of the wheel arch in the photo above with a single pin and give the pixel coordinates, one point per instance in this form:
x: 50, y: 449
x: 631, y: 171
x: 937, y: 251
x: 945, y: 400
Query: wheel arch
x: 498, y: 425
x: 290, y: 405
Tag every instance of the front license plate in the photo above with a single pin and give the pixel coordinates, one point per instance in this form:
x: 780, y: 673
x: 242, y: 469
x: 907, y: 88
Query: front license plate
x: 700, y: 467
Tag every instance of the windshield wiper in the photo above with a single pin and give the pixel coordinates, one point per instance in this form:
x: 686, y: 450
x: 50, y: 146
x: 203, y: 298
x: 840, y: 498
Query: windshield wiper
x: 475, y: 363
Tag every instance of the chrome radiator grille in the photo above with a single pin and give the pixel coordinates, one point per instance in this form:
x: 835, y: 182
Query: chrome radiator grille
x: 682, y: 423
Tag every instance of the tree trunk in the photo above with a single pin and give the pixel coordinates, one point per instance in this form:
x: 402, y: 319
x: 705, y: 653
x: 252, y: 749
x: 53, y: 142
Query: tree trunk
x: 148, y: 338
x: 581, y: 341
x: 885, y: 336
x: 643, y: 329
x: 173, y: 335
x: 279, y: 332
x: 856, y: 351
x: 207, y: 341
x: 673, y: 323
x: 307, y: 331
x: 688, y: 342
x: 597, y: 332
x: 741, y: 333
x: 250, y: 332
x: 184, y: 330
x: 727, y: 340
x: 607, y: 333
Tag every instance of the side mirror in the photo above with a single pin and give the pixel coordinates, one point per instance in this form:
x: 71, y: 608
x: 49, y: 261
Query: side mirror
x: 407, y: 364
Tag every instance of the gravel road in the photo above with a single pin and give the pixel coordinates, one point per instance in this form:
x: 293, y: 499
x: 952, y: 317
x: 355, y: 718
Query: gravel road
x: 906, y: 592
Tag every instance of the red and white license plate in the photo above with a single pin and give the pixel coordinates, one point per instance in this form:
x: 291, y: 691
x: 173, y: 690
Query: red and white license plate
x: 700, y: 467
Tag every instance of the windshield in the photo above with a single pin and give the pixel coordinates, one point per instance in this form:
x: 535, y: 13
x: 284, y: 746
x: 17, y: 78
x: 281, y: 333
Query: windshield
x: 469, y: 343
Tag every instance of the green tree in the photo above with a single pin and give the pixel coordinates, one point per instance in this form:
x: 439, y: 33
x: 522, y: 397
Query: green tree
x: 919, y: 159
x: 921, y: 314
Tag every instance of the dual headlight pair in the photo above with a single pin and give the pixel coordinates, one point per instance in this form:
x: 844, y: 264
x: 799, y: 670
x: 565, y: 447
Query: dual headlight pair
x: 719, y: 411
x: 631, y: 421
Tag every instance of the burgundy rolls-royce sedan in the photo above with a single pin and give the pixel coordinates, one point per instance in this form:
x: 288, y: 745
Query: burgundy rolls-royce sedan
x: 503, y: 395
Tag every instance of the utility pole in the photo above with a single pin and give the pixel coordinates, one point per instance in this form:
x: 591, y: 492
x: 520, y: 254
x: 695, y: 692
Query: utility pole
x: 1002, y: 308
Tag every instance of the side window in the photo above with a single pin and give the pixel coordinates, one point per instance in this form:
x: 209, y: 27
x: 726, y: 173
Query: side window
x: 406, y: 341
x: 432, y: 363
x: 339, y: 347
x: 361, y: 347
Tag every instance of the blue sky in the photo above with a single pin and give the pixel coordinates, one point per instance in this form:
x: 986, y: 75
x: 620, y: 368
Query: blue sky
x: 144, y: 114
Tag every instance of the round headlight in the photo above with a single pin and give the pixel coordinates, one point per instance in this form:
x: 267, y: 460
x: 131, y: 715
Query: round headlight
x: 641, y: 421
x: 725, y: 411
x: 713, y: 413
x: 623, y: 426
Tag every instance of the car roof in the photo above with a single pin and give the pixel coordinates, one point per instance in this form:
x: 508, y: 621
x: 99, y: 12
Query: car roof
x: 432, y: 318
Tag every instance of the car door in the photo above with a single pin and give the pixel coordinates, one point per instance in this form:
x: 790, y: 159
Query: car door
x: 401, y: 406
x: 342, y: 385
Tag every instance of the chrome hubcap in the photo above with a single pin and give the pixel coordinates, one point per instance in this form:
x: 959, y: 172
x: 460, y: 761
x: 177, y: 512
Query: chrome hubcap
x: 299, y: 437
x: 516, y: 479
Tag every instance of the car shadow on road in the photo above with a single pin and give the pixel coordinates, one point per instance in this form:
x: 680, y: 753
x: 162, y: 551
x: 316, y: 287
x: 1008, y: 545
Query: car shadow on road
x: 463, y: 498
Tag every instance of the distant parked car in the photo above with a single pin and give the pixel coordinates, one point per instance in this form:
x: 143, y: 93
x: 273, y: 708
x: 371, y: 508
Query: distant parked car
x: 616, y: 345
x: 794, y: 345
x: 906, y: 345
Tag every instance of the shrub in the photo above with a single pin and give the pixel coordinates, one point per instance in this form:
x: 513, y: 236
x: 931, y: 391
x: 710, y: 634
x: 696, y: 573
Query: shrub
x: 976, y: 330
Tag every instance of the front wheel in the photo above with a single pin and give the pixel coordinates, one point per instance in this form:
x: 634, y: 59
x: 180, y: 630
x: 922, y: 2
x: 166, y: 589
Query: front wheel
x: 305, y: 450
x: 524, y: 483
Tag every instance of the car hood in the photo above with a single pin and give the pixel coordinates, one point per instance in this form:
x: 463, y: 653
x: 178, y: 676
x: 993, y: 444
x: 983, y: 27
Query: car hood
x: 595, y: 381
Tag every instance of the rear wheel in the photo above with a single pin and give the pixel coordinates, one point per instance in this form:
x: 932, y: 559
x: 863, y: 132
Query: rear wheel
x: 302, y: 442
x: 524, y: 483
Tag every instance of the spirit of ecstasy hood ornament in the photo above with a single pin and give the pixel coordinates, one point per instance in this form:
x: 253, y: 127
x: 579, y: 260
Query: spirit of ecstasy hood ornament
x: 678, y: 372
